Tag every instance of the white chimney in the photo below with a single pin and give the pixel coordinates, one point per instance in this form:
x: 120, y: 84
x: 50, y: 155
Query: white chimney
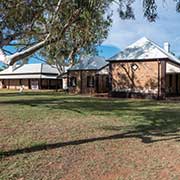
x: 167, y: 47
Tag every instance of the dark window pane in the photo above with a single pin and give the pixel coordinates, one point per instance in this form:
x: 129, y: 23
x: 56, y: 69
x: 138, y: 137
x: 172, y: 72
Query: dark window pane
x: 90, y: 81
x: 72, y: 82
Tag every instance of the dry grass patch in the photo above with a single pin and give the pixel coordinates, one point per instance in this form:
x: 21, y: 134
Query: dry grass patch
x: 48, y: 135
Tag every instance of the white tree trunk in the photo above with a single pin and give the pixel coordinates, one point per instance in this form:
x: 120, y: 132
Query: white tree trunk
x: 11, y: 59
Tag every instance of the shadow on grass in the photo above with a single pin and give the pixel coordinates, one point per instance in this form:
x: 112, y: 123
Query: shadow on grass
x: 130, y: 134
x: 154, y: 121
x: 78, y: 102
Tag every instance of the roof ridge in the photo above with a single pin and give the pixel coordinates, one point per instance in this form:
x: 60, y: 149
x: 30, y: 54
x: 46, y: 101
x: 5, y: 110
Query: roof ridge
x: 141, y: 42
x: 144, y: 37
x: 165, y: 52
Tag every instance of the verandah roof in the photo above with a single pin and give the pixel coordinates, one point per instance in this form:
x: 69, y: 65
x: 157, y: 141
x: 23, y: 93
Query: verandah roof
x: 30, y: 71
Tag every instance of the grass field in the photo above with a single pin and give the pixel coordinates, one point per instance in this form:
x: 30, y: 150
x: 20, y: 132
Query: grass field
x: 52, y: 136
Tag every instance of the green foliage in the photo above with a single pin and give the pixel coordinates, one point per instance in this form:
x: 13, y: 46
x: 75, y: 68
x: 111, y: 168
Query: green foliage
x: 150, y: 9
x: 90, y: 29
x: 178, y: 6
x: 70, y: 25
x: 125, y: 9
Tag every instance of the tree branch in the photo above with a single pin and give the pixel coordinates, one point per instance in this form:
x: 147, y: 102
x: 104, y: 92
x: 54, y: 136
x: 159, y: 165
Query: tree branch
x: 11, y: 59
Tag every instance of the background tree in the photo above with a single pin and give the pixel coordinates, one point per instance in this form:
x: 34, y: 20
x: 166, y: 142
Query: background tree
x: 33, y: 25
x: 81, y: 39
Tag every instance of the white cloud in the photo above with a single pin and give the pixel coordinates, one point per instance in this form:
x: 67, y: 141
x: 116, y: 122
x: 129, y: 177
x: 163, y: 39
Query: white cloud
x: 166, y: 28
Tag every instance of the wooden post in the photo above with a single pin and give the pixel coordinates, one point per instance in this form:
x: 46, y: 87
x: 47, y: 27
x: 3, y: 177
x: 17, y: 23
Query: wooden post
x: 163, y: 80
x: 40, y: 84
x: 48, y: 81
x: 81, y: 81
x: 56, y: 85
x: 8, y: 83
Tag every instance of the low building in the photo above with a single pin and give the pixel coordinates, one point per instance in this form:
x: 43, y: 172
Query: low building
x: 32, y: 76
x: 144, y: 69
x: 89, y: 76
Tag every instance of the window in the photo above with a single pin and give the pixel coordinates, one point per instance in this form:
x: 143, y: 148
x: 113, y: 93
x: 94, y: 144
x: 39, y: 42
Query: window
x: 20, y: 82
x: 72, y: 81
x: 90, y: 81
x: 134, y: 67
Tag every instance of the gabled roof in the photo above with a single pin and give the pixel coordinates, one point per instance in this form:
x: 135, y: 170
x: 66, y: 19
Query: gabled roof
x: 144, y: 49
x: 90, y: 63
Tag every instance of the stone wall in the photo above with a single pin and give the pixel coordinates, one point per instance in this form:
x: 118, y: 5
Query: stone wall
x: 138, y: 77
x: 81, y: 82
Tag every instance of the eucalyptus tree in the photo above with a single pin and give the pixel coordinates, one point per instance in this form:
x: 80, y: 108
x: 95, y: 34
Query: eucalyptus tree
x: 30, y: 26
x: 80, y: 39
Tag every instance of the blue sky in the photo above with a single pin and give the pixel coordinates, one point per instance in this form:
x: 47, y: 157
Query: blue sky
x: 124, y: 32
x: 166, y: 28
x: 107, y: 51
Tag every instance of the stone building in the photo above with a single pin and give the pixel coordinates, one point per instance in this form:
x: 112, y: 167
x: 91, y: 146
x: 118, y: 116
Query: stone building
x: 144, y: 69
x: 89, y: 76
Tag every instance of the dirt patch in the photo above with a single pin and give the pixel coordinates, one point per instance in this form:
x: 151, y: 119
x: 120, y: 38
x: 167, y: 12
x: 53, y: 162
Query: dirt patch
x: 79, y: 138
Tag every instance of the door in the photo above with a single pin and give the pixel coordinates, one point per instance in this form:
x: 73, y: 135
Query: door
x: 34, y: 84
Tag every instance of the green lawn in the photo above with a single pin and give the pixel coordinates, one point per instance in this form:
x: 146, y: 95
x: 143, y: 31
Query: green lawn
x: 49, y: 135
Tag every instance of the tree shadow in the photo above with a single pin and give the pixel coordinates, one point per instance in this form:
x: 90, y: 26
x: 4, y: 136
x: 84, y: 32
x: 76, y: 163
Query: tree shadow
x: 143, y: 136
x: 154, y: 121
x: 95, y: 106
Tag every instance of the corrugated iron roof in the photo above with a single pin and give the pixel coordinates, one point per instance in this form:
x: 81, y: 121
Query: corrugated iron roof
x: 143, y: 49
x: 90, y: 63
x: 30, y: 69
